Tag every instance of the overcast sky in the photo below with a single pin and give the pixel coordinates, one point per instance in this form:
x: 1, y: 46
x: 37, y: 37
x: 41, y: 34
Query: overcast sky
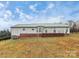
x: 19, y: 12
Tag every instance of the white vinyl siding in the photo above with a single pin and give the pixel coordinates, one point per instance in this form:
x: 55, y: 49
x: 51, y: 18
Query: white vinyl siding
x: 18, y: 31
x: 55, y: 30
x: 15, y: 31
x: 29, y: 30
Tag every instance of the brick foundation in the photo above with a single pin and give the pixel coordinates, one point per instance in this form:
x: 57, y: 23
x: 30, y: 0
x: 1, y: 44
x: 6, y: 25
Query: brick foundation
x: 41, y: 35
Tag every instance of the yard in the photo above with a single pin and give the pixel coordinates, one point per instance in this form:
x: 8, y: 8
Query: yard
x: 65, y: 46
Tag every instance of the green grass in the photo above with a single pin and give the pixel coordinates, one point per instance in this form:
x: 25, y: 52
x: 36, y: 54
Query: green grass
x: 41, y: 47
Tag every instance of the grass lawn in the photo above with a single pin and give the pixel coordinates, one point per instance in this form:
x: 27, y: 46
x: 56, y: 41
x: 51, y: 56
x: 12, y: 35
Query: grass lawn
x: 41, y: 47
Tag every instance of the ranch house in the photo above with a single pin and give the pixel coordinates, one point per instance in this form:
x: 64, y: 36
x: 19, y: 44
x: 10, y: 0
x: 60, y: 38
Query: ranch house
x: 39, y: 30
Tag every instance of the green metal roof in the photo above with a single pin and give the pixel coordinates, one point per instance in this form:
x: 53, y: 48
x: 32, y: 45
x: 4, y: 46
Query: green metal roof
x: 41, y: 24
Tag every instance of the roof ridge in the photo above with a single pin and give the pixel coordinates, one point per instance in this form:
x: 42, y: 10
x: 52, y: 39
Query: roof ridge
x: 41, y: 24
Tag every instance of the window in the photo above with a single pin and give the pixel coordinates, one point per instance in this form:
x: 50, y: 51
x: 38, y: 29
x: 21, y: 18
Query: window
x: 32, y: 29
x: 23, y: 29
x: 45, y: 31
x: 54, y: 30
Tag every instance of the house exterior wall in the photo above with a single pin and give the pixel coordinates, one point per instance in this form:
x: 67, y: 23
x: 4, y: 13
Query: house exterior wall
x: 18, y: 31
x: 15, y: 31
x: 36, y: 30
x: 57, y: 30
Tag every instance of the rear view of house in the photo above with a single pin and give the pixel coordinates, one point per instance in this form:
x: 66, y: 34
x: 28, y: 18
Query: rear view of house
x: 39, y: 29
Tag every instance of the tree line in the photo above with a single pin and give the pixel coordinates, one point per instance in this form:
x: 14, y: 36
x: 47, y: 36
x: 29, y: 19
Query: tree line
x: 5, y: 34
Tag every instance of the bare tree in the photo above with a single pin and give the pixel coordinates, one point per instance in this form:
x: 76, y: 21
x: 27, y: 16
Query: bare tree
x: 72, y: 26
